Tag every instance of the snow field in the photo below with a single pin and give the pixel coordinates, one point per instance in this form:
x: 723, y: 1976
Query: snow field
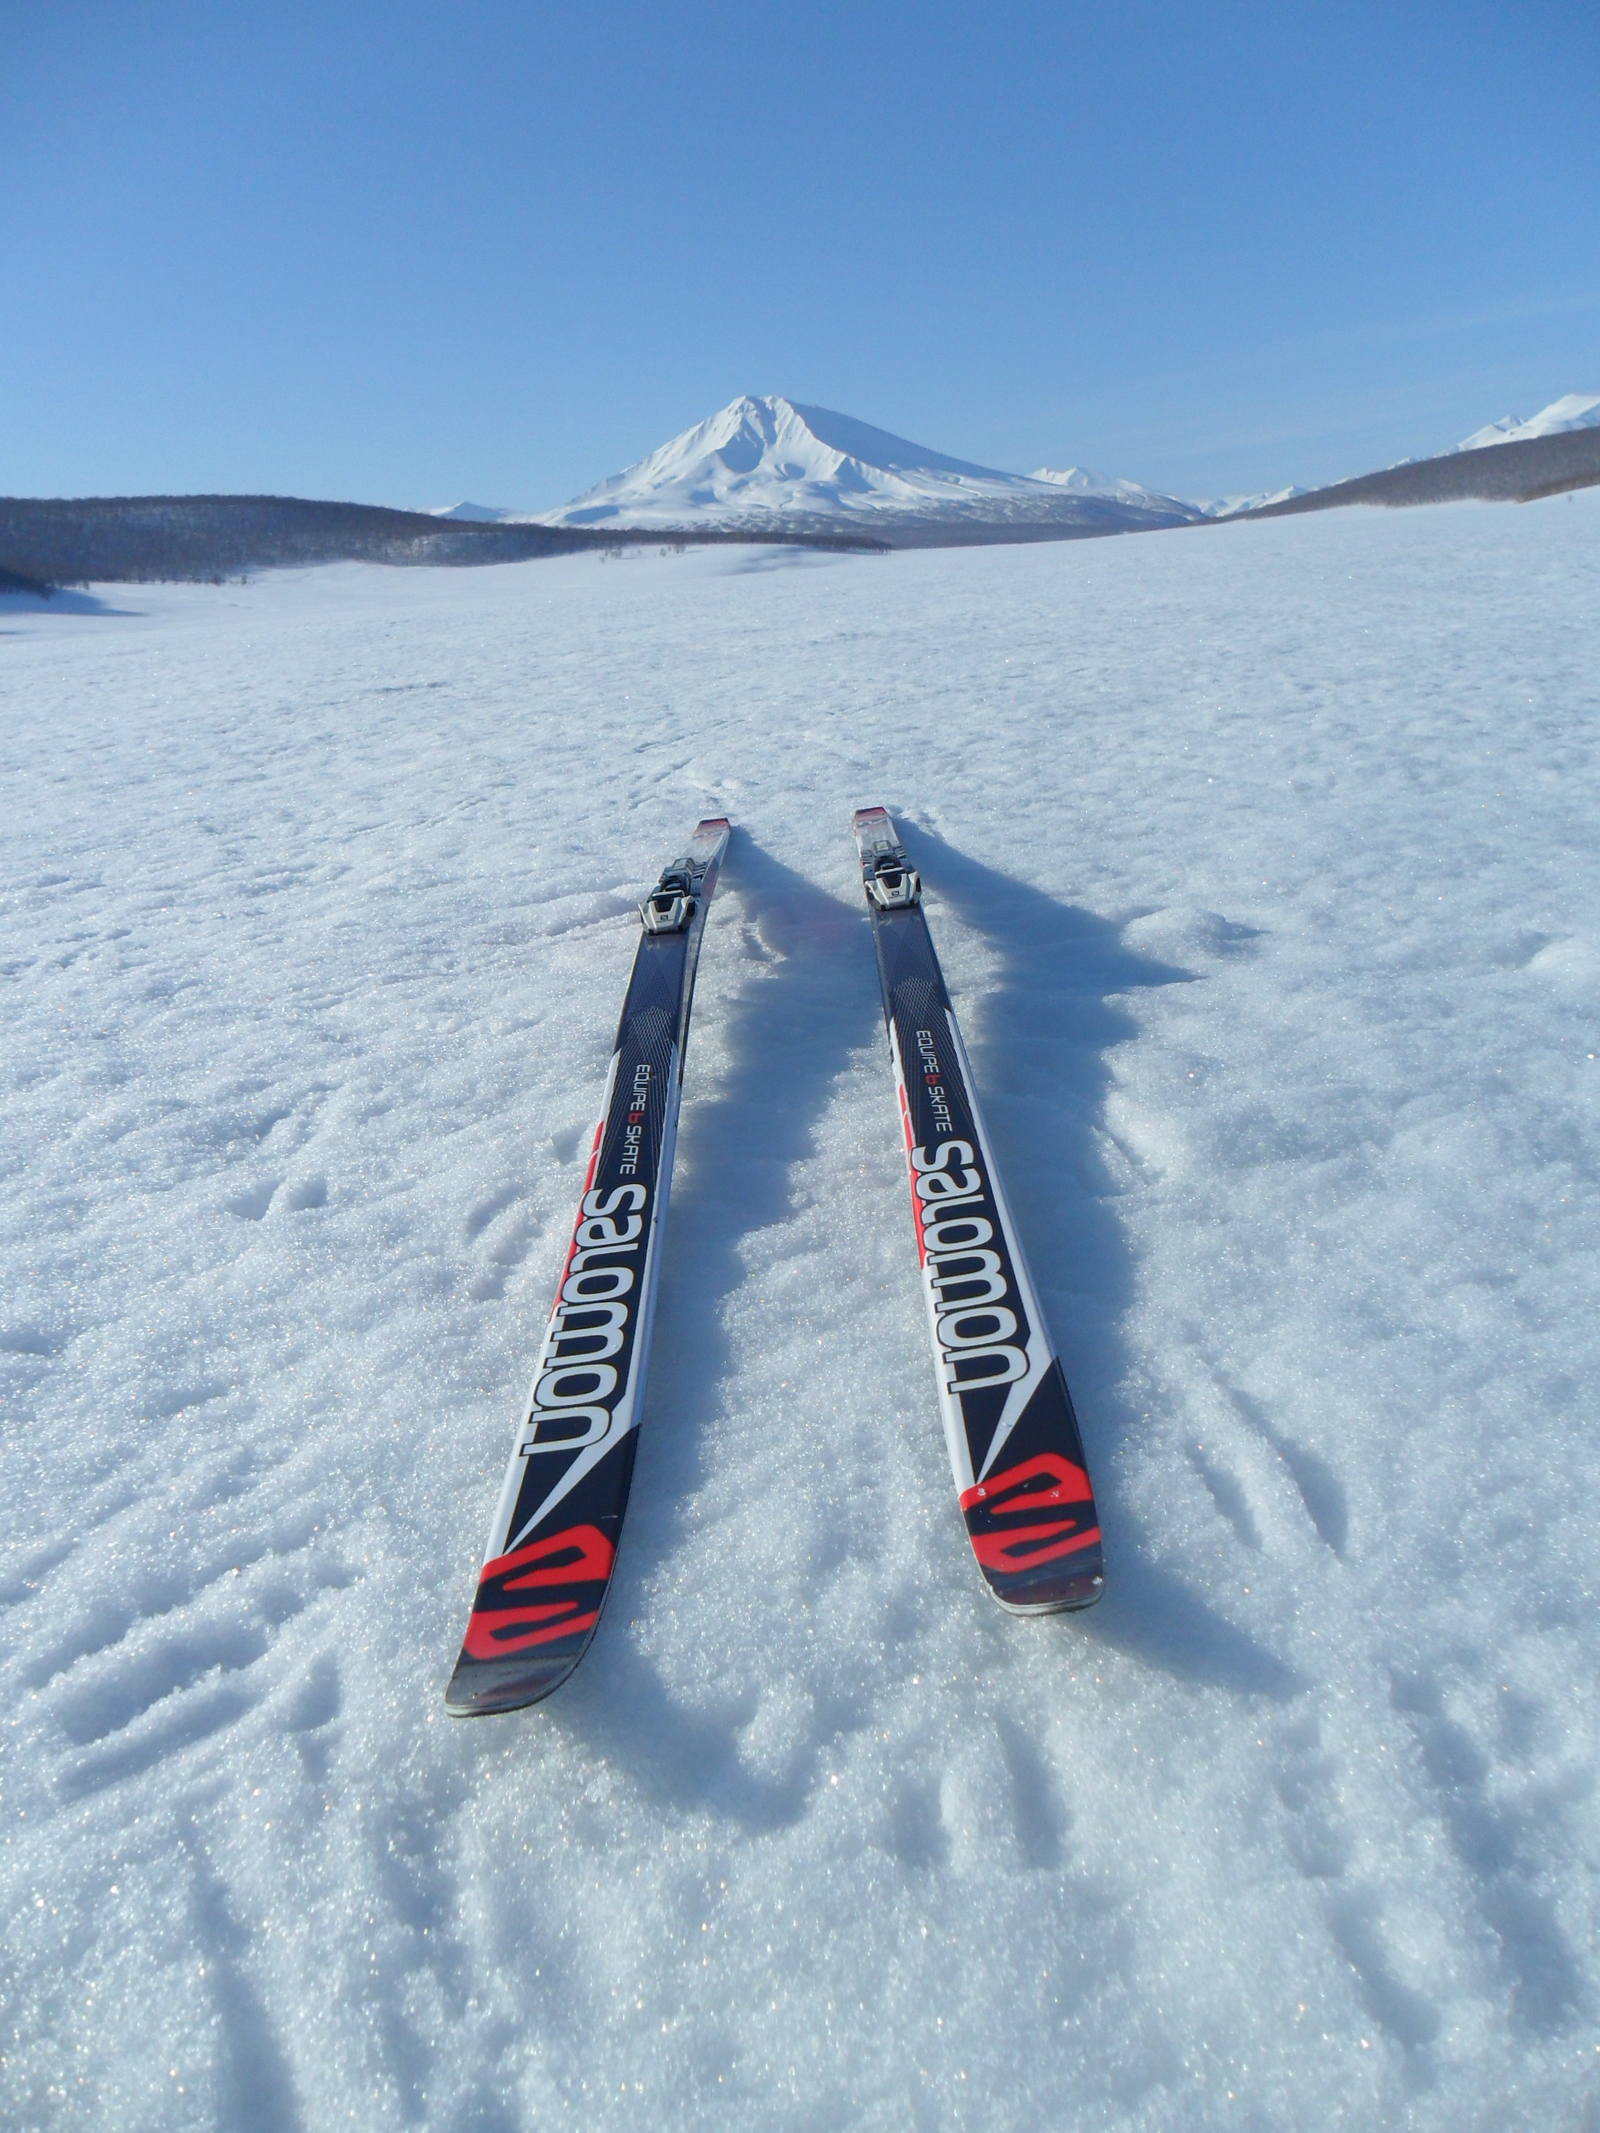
x: 1262, y: 864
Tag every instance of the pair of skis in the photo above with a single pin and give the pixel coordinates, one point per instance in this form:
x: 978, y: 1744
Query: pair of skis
x: 1009, y: 1425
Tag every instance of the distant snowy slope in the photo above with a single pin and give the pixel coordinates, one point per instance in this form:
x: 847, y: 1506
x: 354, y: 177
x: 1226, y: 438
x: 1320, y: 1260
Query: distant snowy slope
x: 1083, y: 483
x: 479, y: 514
x: 765, y: 463
x: 1574, y: 411
x: 1235, y: 506
x: 761, y: 462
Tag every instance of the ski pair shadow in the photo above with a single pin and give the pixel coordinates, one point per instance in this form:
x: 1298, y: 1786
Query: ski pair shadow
x: 1040, y: 1044
x: 1041, y: 1049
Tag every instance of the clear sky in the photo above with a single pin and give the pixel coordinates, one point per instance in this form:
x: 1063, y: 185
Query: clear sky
x: 422, y: 250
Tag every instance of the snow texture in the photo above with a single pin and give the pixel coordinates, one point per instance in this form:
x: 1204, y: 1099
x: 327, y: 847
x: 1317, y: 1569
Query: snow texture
x: 1262, y: 861
x: 1574, y: 411
x: 769, y: 462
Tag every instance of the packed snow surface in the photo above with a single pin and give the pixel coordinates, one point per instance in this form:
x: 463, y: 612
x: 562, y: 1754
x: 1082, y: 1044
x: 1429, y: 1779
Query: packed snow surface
x: 1574, y: 411
x: 769, y: 462
x: 1262, y: 861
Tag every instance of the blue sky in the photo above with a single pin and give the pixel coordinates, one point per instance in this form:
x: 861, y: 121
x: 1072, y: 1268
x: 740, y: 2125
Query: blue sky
x: 408, y: 253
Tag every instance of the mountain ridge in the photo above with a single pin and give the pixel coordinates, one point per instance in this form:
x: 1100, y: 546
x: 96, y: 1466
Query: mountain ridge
x: 765, y: 463
x: 769, y: 461
x: 1573, y: 411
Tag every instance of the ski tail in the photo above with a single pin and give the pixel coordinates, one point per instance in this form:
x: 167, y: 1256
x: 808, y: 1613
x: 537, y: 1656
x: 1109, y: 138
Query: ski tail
x: 1013, y: 1439
x: 553, y: 1542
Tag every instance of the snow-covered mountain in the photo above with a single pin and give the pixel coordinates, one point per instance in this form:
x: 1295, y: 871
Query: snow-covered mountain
x: 1574, y: 411
x: 479, y: 514
x: 1235, y: 506
x: 1083, y: 483
x: 1080, y: 480
x: 770, y: 462
x: 767, y: 463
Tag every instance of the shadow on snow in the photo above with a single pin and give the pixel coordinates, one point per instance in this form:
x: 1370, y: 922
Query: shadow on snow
x: 790, y: 1034
x: 1041, y: 1041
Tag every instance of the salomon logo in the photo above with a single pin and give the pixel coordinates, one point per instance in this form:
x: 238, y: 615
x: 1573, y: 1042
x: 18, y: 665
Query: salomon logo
x: 591, y: 1325
x: 967, y: 1281
x: 540, y: 1594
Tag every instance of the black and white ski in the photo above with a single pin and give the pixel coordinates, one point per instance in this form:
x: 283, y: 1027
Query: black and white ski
x: 1008, y: 1419
x: 555, y: 1531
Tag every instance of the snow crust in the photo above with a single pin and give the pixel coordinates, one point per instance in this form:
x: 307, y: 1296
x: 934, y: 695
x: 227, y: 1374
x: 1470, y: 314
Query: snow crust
x: 1262, y: 862
x: 1574, y: 411
x: 768, y: 461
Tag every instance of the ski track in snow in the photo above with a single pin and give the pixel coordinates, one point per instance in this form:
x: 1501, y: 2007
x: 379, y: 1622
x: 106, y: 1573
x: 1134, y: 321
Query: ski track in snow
x: 1262, y: 865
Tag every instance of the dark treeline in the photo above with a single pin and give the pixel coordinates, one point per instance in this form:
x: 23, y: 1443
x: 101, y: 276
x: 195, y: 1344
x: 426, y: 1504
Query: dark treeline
x: 1499, y: 474
x: 96, y: 539
x: 13, y: 581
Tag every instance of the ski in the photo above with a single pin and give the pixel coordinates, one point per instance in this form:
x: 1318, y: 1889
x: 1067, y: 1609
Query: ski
x: 1008, y: 1420
x: 554, y: 1537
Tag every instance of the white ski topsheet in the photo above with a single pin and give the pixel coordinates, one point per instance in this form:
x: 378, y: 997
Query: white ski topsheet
x: 624, y: 1415
x: 1269, y: 897
x: 708, y: 842
x: 1039, y: 1350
